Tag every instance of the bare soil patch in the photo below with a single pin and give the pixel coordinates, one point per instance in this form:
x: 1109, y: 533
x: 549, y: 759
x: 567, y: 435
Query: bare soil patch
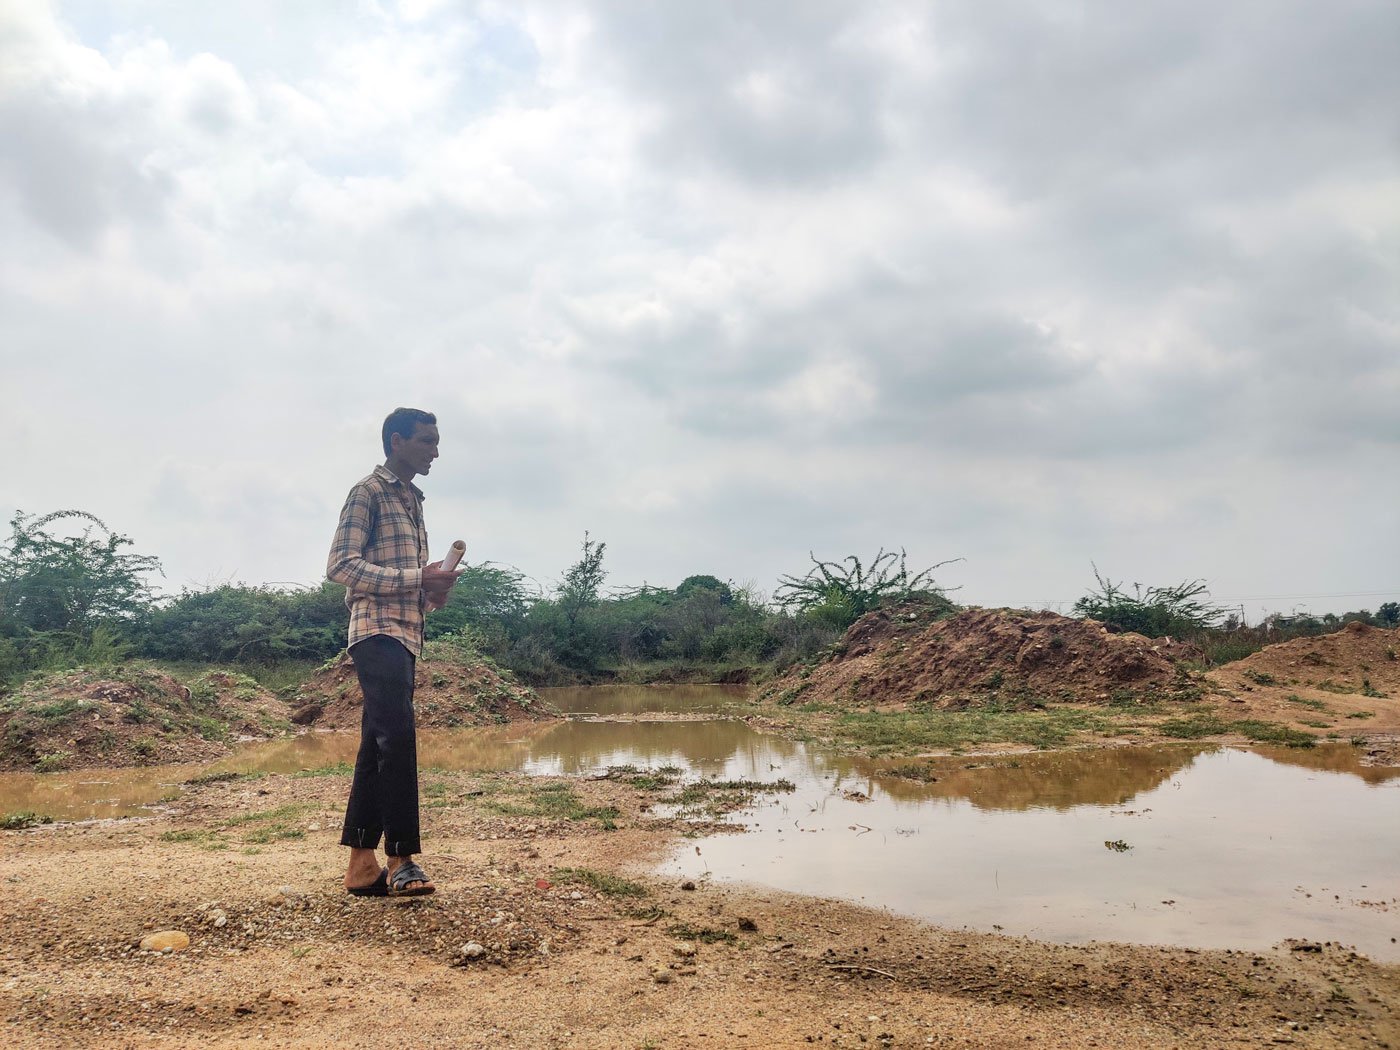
x: 134, y: 714
x: 579, y: 946
x: 1344, y: 685
x: 450, y: 689
x: 907, y: 655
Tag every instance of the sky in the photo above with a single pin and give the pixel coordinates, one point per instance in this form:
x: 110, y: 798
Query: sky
x: 1043, y: 286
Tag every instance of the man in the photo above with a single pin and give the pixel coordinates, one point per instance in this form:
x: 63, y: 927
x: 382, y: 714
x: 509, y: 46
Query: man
x: 380, y: 554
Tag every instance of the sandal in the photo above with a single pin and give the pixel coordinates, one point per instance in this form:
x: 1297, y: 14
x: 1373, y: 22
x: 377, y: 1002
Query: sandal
x: 378, y: 888
x: 404, y: 874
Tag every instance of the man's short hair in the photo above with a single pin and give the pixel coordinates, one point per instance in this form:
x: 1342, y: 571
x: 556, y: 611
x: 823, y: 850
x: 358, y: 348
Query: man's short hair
x: 403, y: 422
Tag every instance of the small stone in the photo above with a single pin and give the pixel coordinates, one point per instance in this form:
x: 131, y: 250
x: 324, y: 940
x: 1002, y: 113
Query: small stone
x: 165, y: 940
x: 472, y: 950
x: 748, y: 925
x: 576, y: 896
x: 313, y: 827
x: 662, y: 976
x: 687, y: 885
x: 217, y: 917
x: 684, y: 949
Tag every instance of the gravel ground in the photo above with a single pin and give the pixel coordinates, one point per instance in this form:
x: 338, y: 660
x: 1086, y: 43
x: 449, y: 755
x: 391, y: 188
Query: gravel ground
x: 568, y: 943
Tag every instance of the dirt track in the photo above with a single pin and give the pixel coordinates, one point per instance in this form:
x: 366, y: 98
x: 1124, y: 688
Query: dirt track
x: 298, y: 963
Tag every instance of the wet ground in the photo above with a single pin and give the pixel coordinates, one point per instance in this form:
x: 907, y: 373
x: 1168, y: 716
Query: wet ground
x: 1179, y: 846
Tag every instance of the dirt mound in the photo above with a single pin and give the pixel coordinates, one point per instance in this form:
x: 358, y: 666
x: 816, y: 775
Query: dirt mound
x: 450, y: 689
x: 1357, y: 659
x: 129, y: 715
x: 905, y: 655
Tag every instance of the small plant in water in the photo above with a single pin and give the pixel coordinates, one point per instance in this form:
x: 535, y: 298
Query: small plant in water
x: 1117, y: 845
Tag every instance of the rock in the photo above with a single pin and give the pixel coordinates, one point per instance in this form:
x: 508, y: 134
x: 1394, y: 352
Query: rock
x: 687, y: 885
x: 748, y: 925
x: 576, y: 896
x: 472, y: 950
x: 306, y: 714
x: 684, y: 949
x: 218, y: 917
x: 662, y: 976
x: 165, y: 941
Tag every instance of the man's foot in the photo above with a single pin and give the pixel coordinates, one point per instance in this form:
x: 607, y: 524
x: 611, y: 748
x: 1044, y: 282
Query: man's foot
x: 363, y: 871
x: 407, y: 879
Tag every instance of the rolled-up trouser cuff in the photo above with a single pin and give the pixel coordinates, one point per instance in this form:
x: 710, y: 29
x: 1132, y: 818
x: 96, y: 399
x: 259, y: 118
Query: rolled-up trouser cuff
x: 360, y: 838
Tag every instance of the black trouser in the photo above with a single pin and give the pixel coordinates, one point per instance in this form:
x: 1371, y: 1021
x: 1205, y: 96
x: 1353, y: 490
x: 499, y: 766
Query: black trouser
x: 384, y: 793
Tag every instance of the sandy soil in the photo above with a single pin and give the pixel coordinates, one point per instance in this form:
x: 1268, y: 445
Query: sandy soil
x: 250, y: 871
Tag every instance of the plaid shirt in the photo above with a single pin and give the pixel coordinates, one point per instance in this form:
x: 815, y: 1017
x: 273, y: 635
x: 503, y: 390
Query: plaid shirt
x: 378, y: 553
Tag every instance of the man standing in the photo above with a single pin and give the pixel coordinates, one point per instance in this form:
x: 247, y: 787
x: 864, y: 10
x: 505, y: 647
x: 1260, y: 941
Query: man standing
x: 380, y: 554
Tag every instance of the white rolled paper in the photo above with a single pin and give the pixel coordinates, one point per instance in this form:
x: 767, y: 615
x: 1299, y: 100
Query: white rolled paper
x: 454, y: 554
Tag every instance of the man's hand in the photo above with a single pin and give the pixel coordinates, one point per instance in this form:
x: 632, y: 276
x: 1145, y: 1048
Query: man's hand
x: 437, y: 583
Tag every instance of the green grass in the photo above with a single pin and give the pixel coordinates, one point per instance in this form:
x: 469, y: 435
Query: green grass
x: 903, y: 732
x: 1332, y: 687
x: 1261, y: 678
x: 221, y: 776
x: 1316, y: 705
x: 1362, y: 714
x: 25, y: 819
x: 201, y: 837
x: 554, y: 801
x: 704, y: 934
x: 1273, y: 733
x: 1254, y: 730
x: 645, y: 779
x: 335, y: 769
x: 270, y: 825
x: 600, y: 882
x: 1193, y: 728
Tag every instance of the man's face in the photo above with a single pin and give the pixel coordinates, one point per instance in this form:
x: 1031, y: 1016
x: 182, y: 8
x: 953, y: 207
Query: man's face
x: 421, y: 449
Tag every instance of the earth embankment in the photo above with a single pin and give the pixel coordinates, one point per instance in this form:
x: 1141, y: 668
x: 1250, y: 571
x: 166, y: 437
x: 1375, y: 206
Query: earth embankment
x: 906, y: 655
x: 132, y: 714
x: 450, y: 689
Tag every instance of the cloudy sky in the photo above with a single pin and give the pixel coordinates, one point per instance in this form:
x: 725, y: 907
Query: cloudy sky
x: 1035, y: 285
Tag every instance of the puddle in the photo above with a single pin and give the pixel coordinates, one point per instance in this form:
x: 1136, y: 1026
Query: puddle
x: 1218, y: 848
x: 1224, y: 848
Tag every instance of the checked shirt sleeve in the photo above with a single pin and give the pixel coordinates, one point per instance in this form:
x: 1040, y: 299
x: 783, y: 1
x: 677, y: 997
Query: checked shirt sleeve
x: 348, y: 564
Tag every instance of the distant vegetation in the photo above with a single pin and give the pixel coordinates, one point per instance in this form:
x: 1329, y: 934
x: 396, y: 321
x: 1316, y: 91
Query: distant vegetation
x: 87, y: 600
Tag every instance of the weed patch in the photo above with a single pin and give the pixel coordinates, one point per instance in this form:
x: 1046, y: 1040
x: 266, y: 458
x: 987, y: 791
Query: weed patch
x: 600, y: 882
x: 903, y: 732
x: 555, y: 801
x: 704, y: 934
x: 20, y: 821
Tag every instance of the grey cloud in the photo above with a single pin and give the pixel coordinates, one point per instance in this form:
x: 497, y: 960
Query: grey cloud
x: 708, y: 68
x: 70, y: 174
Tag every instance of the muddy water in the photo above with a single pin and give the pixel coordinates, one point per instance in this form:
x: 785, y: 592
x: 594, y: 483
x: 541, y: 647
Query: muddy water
x: 1222, y: 848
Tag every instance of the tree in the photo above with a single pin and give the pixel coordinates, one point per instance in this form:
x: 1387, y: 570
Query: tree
x: 490, y: 599
x: 839, y: 593
x: 1389, y: 614
x: 1152, y: 611
x: 583, y: 582
x: 240, y: 624
x: 71, y: 583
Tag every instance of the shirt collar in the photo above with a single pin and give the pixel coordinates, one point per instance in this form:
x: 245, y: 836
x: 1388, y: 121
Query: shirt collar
x: 385, y: 474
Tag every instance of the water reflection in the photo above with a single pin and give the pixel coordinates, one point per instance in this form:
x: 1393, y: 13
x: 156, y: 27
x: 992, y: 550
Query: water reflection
x: 1057, y: 780
x: 1222, y: 847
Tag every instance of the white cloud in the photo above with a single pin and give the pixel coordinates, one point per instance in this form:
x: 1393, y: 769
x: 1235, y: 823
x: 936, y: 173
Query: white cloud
x: 721, y: 284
